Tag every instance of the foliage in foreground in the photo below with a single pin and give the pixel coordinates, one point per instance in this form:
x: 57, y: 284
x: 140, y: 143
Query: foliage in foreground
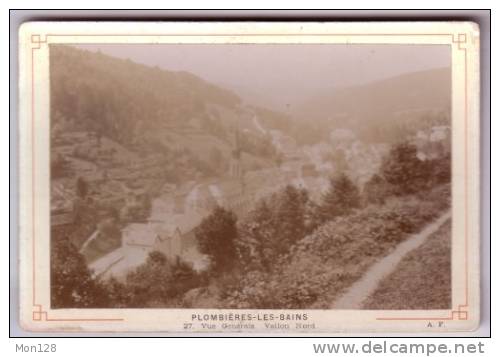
x: 216, y: 235
x: 159, y: 282
x: 336, y: 254
x: 72, y: 284
x: 289, y: 252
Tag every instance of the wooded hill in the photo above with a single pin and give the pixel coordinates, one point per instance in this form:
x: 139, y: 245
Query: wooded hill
x: 147, y: 108
x: 387, y: 109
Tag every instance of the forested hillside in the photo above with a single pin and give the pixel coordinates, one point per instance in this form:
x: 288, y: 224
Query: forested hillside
x: 98, y: 92
x: 385, y: 110
x: 150, y: 109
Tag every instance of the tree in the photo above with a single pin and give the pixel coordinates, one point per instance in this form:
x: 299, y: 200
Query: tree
x: 256, y: 237
x: 158, y: 282
x: 273, y: 227
x: 289, y: 218
x: 404, y: 170
x: 340, y: 199
x: 441, y: 168
x: 84, y: 209
x: 376, y: 190
x: 311, y: 218
x: 71, y: 282
x: 149, y: 283
x: 216, y: 236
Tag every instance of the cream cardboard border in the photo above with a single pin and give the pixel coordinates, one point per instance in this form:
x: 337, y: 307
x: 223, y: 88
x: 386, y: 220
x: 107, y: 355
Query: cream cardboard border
x: 35, y: 312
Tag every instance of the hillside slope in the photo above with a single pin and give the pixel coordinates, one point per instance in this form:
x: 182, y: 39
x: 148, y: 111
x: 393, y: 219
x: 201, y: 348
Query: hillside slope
x: 385, y: 109
x: 148, y: 109
x: 422, y: 281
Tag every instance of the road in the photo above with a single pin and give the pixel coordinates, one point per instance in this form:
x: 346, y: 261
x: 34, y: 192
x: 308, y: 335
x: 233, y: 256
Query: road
x: 354, y: 297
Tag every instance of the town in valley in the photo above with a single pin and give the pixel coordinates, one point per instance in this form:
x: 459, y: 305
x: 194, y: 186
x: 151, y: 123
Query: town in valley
x: 146, y: 162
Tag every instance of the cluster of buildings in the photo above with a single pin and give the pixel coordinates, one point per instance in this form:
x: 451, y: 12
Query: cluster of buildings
x: 433, y: 143
x: 359, y: 160
x: 179, y: 210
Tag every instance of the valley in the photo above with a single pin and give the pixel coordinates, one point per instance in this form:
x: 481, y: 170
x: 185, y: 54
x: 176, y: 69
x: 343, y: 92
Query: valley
x: 142, y: 158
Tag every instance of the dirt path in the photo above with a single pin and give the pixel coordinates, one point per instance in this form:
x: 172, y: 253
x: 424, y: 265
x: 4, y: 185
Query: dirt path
x: 353, y: 298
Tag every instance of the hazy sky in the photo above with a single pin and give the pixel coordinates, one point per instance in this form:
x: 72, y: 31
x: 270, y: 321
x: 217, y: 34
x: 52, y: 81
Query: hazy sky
x: 284, y: 73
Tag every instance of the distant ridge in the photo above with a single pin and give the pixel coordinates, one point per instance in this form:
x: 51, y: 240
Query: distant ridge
x: 384, y: 102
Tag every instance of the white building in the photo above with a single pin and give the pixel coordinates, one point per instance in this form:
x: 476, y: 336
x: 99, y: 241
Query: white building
x: 174, y: 239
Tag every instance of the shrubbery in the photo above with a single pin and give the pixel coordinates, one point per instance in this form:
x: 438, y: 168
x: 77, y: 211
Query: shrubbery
x: 352, y: 232
x: 274, y: 226
x: 341, y: 198
x: 72, y: 284
x: 159, y: 282
x: 327, y: 261
x: 289, y: 252
x: 403, y: 173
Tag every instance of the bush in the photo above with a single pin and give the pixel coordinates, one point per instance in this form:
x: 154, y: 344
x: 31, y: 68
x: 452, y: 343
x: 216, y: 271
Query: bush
x: 376, y: 190
x: 272, y: 228
x: 407, y: 174
x: 341, y: 198
x: 402, y: 169
x: 324, y: 263
x: 159, y: 282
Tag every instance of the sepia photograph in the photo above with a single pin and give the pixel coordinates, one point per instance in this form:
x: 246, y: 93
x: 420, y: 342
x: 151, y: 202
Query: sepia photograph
x: 267, y: 178
x: 250, y: 176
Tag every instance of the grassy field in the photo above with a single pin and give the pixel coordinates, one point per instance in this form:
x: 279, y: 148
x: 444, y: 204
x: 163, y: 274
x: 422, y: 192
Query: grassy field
x: 422, y: 280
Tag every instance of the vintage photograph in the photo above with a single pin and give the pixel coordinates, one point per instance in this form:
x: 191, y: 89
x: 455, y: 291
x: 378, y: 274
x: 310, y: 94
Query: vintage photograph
x: 250, y: 176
